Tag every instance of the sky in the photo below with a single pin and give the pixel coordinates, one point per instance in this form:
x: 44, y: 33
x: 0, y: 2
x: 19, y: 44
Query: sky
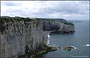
x: 69, y: 10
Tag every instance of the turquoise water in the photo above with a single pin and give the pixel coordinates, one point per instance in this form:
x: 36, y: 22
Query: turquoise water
x: 80, y: 40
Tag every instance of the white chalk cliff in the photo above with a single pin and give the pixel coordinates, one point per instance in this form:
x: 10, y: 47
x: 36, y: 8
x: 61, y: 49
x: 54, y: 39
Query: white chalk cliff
x: 17, y: 34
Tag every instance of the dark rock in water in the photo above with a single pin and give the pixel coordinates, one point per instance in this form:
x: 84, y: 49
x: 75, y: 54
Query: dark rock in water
x: 59, y: 47
x: 41, y: 50
x: 68, y: 48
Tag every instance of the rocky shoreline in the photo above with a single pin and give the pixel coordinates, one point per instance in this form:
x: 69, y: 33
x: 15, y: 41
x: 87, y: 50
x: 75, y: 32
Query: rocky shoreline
x: 29, y: 36
x: 40, y: 51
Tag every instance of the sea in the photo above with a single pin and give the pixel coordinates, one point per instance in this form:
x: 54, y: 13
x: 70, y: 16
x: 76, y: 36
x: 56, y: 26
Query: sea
x: 80, y: 40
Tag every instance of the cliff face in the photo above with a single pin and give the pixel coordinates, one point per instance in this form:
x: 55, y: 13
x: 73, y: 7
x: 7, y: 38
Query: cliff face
x: 21, y: 35
x: 58, y: 25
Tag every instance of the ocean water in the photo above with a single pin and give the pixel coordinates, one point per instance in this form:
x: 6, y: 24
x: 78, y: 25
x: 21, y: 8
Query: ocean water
x: 79, y: 40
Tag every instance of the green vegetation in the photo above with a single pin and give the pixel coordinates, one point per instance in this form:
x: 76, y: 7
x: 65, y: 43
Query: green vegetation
x: 40, y: 51
x: 68, y: 23
x: 35, y: 21
x: 6, y: 19
x: 16, y: 18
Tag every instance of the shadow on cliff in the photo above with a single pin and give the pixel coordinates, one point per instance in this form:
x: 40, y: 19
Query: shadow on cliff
x: 37, y: 53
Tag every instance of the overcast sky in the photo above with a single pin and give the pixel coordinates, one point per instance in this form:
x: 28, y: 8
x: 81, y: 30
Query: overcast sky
x: 70, y: 10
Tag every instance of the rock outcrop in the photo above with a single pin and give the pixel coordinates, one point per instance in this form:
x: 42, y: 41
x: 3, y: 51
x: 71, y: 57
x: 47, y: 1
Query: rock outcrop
x: 19, y: 36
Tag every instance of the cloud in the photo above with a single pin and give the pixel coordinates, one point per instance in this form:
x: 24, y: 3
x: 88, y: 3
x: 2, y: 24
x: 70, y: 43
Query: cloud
x: 47, y: 9
x: 10, y: 3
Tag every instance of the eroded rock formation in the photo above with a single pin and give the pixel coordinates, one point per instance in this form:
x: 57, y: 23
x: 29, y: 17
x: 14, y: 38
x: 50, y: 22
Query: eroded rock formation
x: 22, y: 35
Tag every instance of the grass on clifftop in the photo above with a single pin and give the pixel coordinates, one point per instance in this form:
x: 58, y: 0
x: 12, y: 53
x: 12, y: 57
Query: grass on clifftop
x: 68, y: 23
x: 12, y: 19
x: 16, y: 18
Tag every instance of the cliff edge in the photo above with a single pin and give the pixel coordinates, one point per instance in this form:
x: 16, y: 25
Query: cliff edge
x: 19, y: 36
